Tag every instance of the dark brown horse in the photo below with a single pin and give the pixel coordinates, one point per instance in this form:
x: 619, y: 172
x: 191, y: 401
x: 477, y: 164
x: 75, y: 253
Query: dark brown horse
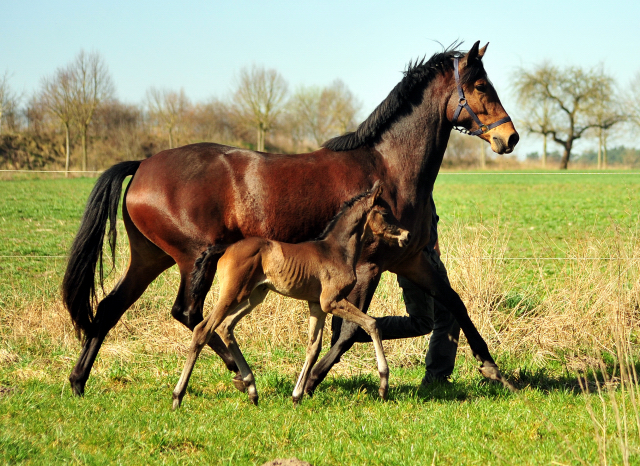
x: 181, y: 201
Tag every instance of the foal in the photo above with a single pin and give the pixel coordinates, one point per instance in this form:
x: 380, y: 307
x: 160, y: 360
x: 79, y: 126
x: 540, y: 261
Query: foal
x: 321, y: 272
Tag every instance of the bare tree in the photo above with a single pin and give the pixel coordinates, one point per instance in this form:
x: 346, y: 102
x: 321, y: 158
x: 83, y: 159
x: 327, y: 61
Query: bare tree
x: 634, y: 91
x: 606, y: 113
x: 325, y: 112
x: 57, y: 97
x: 91, y: 85
x: 568, y: 95
x: 9, y: 101
x: 168, y: 109
x: 259, y: 99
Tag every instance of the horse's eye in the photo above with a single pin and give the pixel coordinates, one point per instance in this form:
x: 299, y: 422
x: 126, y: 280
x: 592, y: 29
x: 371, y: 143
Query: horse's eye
x: 481, y: 87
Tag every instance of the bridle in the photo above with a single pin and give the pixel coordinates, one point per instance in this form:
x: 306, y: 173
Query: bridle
x: 462, y: 103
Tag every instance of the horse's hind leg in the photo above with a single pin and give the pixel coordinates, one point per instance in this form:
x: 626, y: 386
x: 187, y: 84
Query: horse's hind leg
x: 316, y: 327
x: 142, y: 270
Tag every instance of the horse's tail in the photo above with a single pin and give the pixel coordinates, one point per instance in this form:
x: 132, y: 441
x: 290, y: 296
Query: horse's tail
x: 201, y: 270
x: 78, y: 285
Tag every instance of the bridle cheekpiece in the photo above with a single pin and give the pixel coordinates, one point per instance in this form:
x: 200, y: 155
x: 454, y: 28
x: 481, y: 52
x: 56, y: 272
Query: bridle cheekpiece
x: 462, y: 103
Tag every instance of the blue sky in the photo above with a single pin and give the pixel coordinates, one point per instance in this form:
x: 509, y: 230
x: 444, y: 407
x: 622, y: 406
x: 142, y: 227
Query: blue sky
x: 200, y: 46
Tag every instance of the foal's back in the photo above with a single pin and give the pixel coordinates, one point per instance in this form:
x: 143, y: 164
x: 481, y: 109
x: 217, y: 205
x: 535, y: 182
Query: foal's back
x: 294, y: 270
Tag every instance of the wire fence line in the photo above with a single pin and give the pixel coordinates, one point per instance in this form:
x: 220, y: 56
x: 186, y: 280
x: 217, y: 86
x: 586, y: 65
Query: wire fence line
x: 462, y: 173
x: 27, y: 256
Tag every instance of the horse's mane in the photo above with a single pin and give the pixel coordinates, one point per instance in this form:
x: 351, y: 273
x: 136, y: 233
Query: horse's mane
x: 345, y: 207
x: 417, y: 76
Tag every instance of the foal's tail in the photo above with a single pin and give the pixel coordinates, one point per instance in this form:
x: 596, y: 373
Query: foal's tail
x: 201, y: 271
x: 78, y: 285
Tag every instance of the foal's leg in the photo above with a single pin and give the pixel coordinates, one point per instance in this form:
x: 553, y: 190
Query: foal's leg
x: 316, y: 325
x: 226, y: 332
x: 147, y: 262
x: 348, y: 311
x: 342, y: 338
x: 189, y: 313
x: 201, y: 335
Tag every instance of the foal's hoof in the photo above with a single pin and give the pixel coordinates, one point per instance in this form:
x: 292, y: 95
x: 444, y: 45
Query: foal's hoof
x: 296, y: 400
x: 383, y: 392
x: 239, y: 383
x: 254, y: 399
x: 176, y: 403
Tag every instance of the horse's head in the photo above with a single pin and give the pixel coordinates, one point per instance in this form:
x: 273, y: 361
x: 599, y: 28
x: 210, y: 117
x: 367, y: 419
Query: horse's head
x: 475, y: 106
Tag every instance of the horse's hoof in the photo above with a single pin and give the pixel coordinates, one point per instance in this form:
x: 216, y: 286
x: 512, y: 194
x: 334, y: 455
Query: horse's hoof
x: 77, y: 387
x: 254, y: 399
x: 239, y: 383
x: 296, y: 400
x: 383, y: 392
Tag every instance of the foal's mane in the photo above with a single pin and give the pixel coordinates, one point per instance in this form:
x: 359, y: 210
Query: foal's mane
x: 345, y: 207
x: 417, y: 76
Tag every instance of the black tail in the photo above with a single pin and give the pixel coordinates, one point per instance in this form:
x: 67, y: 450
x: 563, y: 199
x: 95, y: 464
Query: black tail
x: 200, y: 275
x: 78, y: 285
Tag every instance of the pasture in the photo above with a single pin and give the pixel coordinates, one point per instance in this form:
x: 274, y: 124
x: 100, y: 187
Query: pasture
x: 548, y: 266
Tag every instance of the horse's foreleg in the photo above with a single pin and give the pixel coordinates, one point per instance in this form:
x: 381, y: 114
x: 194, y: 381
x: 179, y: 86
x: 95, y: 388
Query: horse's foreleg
x: 316, y: 327
x: 110, y: 310
x: 368, y: 278
x: 422, y: 273
x: 349, y: 312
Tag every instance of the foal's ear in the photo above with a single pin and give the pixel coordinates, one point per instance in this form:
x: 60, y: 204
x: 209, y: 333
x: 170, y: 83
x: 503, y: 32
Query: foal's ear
x: 376, y: 191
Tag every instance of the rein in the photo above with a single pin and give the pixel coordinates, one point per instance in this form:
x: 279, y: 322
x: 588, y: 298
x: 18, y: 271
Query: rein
x: 462, y: 103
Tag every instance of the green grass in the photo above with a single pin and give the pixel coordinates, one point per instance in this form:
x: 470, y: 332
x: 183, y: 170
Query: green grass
x: 125, y: 416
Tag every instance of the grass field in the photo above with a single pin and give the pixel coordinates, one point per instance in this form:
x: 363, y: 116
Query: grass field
x: 545, y: 320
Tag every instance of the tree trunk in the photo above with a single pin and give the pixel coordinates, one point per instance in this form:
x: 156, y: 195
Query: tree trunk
x: 564, y: 163
x: 604, y: 150
x: 600, y: 149
x: 483, y: 158
x: 67, y: 158
x: 544, y: 151
x: 84, y: 148
x: 261, y: 138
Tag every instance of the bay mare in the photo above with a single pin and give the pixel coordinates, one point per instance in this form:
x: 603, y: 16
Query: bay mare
x: 182, y: 201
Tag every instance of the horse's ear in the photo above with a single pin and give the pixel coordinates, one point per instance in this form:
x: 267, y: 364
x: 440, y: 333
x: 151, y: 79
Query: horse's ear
x: 482, y: 51
x: 471, y: 54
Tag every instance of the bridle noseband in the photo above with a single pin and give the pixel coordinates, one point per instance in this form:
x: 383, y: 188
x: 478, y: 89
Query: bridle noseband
x: 462, y: 103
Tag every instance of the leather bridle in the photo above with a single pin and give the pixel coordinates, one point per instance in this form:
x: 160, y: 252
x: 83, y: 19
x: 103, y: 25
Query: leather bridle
x: 462, y: 103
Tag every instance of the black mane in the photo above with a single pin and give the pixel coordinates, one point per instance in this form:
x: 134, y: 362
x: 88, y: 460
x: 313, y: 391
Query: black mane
x: 399, y: 101
x: 345, y: 207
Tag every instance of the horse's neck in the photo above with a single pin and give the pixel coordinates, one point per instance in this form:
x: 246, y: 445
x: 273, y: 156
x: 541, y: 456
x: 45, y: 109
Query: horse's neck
x: 345, y: 238
x: 414, y: 145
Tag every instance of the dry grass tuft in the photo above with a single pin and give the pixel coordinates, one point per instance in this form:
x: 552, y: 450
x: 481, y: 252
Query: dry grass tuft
x: 560, y: 316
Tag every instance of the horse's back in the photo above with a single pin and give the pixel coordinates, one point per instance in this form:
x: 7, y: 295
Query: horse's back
x: 186, y: 198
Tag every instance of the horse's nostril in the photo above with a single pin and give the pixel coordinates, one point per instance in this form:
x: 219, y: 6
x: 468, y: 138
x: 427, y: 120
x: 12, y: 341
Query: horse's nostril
x: 513, y: 140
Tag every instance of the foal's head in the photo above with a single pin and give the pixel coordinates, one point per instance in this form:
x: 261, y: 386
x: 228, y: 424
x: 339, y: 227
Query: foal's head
x: 380, y: 223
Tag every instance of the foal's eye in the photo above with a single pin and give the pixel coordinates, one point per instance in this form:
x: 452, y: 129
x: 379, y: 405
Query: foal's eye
x: 481, y: 87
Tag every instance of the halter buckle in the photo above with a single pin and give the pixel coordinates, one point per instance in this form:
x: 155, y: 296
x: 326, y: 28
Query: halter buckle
x: 484, y: 128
